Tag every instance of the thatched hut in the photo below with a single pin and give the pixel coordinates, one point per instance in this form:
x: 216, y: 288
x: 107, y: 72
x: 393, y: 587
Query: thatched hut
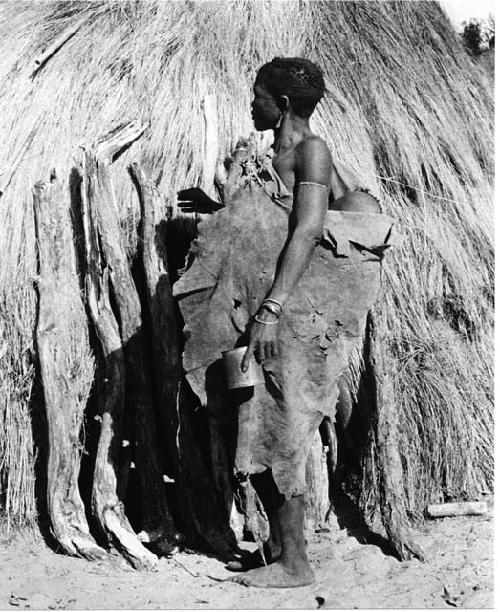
x: 406, y: 109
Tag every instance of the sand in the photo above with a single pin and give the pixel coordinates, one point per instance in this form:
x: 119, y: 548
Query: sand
x: 458, y: 572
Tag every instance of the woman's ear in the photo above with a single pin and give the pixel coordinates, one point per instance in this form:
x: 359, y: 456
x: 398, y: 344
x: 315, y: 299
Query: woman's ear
x: 284, y: 103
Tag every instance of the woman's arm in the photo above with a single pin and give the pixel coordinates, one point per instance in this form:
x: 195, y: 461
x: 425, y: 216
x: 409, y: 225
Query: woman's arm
x: 313, y: 164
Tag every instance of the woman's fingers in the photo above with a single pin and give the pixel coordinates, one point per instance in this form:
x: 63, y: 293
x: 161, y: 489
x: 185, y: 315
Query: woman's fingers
x: 271, y: 349
x: 197, y: 200
x: 260, y: 346
x: 267, y: 350
x: 261, y: 351
x: 247, y: 356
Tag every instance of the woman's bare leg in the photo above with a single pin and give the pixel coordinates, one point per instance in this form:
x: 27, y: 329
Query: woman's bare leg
x: 292, y: 569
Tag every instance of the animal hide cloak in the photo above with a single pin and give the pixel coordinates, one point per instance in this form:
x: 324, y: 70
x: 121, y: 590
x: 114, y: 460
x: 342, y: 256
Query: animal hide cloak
x: 232, y: 265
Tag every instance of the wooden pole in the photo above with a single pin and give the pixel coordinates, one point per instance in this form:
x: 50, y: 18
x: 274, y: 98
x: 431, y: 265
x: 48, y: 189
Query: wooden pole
x: 157, y: 523
x: 475, y: 508
x: 163, y: 321
x: 328, y: 429
x: 66, y: 365
x: 106, y: 504
x: 317, y: 500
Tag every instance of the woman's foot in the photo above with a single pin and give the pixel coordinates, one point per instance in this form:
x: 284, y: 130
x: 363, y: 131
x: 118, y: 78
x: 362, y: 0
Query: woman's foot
x: 252, y: 560
x: 277, y: 575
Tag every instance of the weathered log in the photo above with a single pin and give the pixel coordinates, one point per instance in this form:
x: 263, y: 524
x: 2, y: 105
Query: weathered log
x: 330, y: 436
x: 394, y: 517
x: 112, y: 144
x: 317, y: 496
x: 476, y: 508
x: 106, y: 504
x: 66, y: 365
x: 163, y: 321
x: 157, y: 522
x: 202, y: 504
x: 256, y: 522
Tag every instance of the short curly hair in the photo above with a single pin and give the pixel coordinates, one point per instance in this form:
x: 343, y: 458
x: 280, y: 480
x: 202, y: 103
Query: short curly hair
x: 295, y: 77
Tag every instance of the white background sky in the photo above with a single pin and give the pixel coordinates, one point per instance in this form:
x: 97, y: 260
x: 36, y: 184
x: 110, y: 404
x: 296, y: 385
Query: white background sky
x: 463, y: 10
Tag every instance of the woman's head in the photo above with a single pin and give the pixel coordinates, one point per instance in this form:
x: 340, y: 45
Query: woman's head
x: 300, y: 80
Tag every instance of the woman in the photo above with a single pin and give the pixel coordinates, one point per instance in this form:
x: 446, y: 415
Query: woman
x: 290, y: 267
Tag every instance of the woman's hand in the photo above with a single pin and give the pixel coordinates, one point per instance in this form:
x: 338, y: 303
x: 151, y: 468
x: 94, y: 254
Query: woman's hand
x: 263, y: 339
x: 195, y: 200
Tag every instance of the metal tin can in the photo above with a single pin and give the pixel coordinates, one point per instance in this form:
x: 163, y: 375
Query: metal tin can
x: 236, y: 379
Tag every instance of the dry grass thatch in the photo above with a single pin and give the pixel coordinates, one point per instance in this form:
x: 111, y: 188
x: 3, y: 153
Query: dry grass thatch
x: 407, y: 109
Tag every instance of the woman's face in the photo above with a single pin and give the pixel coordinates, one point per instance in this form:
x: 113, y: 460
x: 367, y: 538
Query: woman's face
x: 265, y: 111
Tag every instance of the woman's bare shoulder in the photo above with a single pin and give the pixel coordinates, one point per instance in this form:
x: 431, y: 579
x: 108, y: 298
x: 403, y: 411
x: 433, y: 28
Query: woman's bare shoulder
x: 313, y: 145
x: 313, y: 160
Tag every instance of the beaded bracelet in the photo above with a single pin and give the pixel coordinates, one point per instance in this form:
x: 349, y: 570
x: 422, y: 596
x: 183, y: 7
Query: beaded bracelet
x: 311, y: 183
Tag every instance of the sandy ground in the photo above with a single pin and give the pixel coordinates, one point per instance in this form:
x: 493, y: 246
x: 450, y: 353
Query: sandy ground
x: 458, y: 573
